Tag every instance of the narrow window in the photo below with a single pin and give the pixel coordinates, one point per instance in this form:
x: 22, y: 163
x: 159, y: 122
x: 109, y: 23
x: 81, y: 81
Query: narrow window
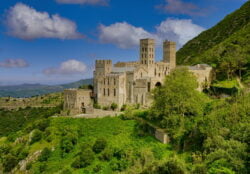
x: 104, y: 91
x: 114, y: 92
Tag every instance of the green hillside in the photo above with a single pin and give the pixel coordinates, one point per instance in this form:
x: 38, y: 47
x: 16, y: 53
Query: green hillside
x: 224, y: 46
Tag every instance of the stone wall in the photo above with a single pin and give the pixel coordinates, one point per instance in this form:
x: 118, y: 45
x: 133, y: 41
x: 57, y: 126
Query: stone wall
x: 162, y: 136
x: 78, y: 101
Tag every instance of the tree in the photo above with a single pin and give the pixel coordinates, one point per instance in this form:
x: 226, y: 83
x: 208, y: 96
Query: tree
x: 178, y: 96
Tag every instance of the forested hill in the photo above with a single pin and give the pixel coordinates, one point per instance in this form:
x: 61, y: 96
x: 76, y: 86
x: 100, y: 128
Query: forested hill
x: 225, y: 46
x: 231, y: 24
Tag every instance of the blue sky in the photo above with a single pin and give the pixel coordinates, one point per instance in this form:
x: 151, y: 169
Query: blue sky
x: 57, y: 41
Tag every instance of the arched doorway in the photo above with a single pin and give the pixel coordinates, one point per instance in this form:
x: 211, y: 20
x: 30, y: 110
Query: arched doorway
x: 158, y: 84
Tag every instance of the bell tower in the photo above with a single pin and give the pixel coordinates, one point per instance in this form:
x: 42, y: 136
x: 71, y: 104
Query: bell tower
x: 169, y: 53
x: 147, y: 51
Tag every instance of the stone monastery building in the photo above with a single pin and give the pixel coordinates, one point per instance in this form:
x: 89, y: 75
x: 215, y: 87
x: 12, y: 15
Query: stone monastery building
x: 131, y: 82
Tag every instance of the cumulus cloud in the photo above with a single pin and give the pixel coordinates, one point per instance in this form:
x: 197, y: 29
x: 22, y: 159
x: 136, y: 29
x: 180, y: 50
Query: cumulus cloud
x: 14, y: 63
x: 84, y: 2
x: 26, y: 23
x: 180, y: 7
x: 179, y: 31
x: 68, y: 67
x: 125, y: 35
x: 122, y: 34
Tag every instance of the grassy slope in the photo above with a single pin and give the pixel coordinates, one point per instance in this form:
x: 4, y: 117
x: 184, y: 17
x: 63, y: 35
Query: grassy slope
x: 217, y: 34
x: 118, y: 133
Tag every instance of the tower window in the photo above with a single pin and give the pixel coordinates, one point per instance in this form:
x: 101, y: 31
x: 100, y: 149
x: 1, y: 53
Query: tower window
x: 114, y: 92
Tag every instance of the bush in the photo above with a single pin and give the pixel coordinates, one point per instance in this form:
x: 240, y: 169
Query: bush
x: 85, y: 158
x: 124, y: 107
x: 105, y: 108
x: 42, y: 124
x: 113, y: 106
x: 44, y: 155
x: 97, y: 106
x: 66, y: 144
x: 106, y: 155
x: 99, y: 145
x: 9, y: 162
x: 36, y: 135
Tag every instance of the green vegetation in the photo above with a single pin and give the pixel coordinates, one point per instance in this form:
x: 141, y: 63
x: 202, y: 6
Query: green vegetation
x: 214, y: 134
x: 107, y: 145
x: 206, y: 135
x: 11, y: 121
x: 48, y: 100
x: 225, y: 47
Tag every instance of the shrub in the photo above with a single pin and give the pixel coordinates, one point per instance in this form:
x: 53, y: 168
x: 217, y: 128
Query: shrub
x: 85, y: 158
x: 66, y: 144
x: 124, y: 107
x: 9, y: 162
x: 99, y: 145
x: 107, y: 154
x: 105, y: 108
x: 44, y: 155
x: 97, y: 106
x: 35, y: 136
x: 113, y: 106
x: 42, y: 124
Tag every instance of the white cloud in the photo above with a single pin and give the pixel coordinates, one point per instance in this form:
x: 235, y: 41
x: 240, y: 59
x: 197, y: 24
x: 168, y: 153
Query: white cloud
x: 14, y: 63
x: 180, y: 7
x: 179, y: 31
x: 84, y: 2
x: 26, y: 23
x: 125, y: 35
x: 68, y: 67
x: 122, y: 34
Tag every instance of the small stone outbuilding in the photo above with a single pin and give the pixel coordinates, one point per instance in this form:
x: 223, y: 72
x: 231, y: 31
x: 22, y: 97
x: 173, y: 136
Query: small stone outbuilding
x: 78, y: 101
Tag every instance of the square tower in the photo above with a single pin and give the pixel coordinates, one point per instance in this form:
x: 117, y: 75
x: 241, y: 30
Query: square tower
x: 147, y: 51
x: 169, y: 53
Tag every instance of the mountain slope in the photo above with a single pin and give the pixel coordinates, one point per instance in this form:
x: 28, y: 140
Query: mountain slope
x: 214, y: 36
x: 28, y: 90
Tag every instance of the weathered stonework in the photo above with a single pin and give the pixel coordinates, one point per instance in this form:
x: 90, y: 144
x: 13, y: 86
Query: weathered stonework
x: 78, y: 101
x: 132, y: 82
x: 162, y: 136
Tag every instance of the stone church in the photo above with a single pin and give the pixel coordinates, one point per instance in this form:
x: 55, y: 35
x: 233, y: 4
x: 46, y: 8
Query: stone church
x: 132, y: 82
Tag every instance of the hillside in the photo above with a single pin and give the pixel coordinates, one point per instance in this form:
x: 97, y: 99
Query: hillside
x: 224, y: 46
x: 29, y: 90
x: 107, y: 145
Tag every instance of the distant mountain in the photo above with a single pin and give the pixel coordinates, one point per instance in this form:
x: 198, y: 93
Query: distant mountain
x: 225, y: 46
x: 29, y: 90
